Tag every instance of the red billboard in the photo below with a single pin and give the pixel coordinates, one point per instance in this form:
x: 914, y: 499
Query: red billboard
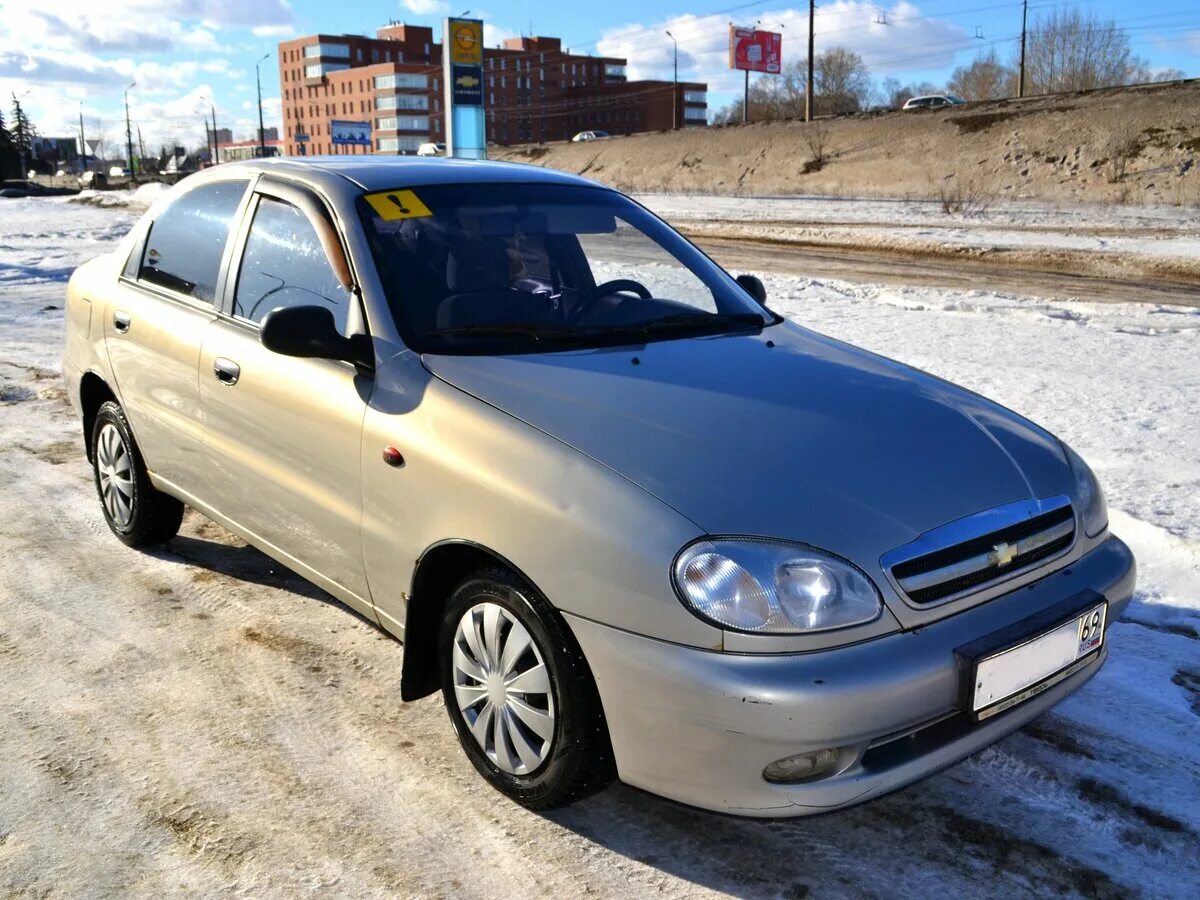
x: 755, y: 51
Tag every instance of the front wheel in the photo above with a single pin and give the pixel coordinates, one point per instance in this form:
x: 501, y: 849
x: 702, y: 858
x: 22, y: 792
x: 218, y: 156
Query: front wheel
x: 520, y: 693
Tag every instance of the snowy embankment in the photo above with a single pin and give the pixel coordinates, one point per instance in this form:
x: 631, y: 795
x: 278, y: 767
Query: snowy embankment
x: 197, y: 720
x: 1163, y: 237
x: 138, y: 199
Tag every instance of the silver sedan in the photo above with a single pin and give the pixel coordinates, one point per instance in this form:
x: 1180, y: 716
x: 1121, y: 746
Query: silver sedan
x: 628, y: 520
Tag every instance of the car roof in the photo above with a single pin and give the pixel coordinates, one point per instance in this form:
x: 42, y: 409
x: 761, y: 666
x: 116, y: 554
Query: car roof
x: 377, y: 173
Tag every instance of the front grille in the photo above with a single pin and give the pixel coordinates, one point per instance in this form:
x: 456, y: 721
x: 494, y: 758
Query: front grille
x: 958, y: 558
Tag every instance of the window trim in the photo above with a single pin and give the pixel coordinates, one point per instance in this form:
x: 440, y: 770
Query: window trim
x: 298, y: 196
x: 235, y: 225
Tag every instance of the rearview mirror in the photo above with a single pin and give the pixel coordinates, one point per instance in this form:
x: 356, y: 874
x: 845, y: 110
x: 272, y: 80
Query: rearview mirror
x: 752, y: 286
x: 310, y: 331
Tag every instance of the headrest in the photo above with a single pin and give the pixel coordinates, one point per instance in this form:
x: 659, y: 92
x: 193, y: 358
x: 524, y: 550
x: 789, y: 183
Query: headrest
x: 479, y: 266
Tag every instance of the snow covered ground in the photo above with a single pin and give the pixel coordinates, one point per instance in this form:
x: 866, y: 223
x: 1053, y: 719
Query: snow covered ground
x: 1157, y: 232
x: 198, y: 720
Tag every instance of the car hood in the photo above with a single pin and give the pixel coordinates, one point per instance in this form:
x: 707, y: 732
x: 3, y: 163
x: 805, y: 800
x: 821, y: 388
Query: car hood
x: 784, y: 433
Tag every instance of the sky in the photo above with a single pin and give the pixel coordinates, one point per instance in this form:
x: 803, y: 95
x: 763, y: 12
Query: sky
x: 61, y: 57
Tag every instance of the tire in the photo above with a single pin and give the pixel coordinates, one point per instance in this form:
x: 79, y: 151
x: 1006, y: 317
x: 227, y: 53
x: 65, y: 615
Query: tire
x: 570, y: 757
x: 136, y: 512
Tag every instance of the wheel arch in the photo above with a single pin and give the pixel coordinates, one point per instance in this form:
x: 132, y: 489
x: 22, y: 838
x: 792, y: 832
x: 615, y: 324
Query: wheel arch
x: 440, y: 569
x: 93, y: 393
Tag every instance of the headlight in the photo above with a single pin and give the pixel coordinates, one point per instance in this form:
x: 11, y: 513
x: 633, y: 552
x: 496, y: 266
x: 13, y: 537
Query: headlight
x: 1093, y: 511
x: 772, y: 587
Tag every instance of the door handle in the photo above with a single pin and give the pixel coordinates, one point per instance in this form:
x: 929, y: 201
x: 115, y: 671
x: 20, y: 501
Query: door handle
x: 121, y: 321
x: 226, y: 370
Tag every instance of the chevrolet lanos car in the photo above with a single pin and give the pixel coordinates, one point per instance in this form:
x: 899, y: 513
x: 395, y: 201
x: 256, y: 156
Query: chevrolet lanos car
x: 628, y: 520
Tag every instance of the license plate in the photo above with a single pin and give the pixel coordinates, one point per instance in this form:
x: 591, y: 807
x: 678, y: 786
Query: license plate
x: 1004, y: 679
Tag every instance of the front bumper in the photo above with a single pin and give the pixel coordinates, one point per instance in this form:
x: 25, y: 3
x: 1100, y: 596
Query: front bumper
x: 700, y: 726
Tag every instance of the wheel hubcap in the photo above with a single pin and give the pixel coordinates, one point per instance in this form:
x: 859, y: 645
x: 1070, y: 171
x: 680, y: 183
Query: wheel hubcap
x: 116, y: 475
x: 503, y: 688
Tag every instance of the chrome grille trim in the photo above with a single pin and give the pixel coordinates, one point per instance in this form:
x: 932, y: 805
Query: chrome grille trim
x: 985, y: 561
x: 981, y: 550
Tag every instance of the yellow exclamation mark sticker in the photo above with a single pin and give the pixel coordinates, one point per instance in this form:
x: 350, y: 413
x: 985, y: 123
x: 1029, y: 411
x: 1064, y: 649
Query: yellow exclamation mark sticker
x: 393, y: 205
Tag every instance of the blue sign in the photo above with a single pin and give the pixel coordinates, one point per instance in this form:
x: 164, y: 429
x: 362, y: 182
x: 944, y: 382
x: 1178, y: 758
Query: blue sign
x: 466, y: 85
x: 350, y: 133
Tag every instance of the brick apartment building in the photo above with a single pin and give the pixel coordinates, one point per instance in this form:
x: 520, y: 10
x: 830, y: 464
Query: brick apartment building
x: 533, y: 91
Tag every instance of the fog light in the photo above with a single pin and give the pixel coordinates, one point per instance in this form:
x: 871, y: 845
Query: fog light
x: 802, y: 766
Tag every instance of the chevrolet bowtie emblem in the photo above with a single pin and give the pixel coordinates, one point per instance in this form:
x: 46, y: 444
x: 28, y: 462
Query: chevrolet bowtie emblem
x: 1004, y: 554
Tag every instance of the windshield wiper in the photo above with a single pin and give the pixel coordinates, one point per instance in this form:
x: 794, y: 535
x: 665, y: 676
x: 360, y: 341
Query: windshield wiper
x: 511, y: 329
x: 687, y: 322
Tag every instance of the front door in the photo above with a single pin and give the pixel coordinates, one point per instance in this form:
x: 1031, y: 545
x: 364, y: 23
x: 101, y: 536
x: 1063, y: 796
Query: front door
x: 283, y: 434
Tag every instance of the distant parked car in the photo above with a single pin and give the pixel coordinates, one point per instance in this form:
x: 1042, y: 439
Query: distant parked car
x: 433, y: 149
x: 16, y: 187
x: 934, y: 101
x: 591, y: 136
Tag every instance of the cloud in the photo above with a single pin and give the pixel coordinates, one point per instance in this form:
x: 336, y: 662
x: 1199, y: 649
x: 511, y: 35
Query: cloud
x: 278, y: 31
x: 136, y: 26
x: 909, y: 41
x: 425, y: 7
x: 61, y: 52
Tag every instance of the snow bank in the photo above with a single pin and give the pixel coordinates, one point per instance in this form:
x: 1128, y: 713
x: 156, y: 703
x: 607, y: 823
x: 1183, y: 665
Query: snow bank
x: 140, y: 199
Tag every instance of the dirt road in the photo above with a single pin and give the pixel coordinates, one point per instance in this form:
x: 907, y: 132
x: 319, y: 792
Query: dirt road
x: 883, y: 267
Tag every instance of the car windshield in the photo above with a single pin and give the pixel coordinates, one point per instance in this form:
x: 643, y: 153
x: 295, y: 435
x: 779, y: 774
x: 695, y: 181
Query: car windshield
x: 527, y: 268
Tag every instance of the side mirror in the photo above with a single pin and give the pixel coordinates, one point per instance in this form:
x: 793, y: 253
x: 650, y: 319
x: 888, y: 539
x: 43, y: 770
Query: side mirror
x: 310, y: 331
x: 752, y: 286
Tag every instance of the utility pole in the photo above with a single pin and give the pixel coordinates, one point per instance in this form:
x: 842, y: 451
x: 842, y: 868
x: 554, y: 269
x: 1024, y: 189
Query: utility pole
x: 808, y: 86
x: 129, y: 133
x: 82, y: 143
x: 213, y: 107
x: 141, y: 146
x: 675, y: 86
x: 1024, y: 22
x: 262, y: 138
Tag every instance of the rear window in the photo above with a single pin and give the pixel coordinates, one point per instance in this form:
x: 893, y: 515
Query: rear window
x: 186, y: 242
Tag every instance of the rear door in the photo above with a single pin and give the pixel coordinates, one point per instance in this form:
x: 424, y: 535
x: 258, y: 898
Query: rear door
x: 156, y: 321
x: 282, y: 434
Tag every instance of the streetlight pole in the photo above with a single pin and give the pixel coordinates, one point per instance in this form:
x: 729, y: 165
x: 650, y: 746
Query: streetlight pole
x: 262, y: 138
x: 129, y: 133
x: 675, y: 86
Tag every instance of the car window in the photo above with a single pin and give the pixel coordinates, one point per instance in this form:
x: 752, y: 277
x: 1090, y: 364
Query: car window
x: 187, y: 240
x: 284, y: 264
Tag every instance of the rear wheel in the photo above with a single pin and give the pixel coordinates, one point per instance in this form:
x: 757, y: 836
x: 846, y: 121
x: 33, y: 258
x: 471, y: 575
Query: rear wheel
x: 520, y: 694
x: 138, y: 513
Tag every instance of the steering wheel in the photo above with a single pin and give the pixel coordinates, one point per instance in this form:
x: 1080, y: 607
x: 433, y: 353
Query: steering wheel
x: 600, y: 291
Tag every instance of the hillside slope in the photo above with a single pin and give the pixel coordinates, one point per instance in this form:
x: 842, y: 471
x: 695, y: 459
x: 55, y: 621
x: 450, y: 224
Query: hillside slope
x: 1122, y: 145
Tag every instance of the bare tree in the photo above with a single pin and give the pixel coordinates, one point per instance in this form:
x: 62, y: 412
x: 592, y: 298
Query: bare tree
x: 986, y: 78
x: 842, y: 85
x: 842, y: 81
x: 816, y: 136
x: 1069, y: 50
